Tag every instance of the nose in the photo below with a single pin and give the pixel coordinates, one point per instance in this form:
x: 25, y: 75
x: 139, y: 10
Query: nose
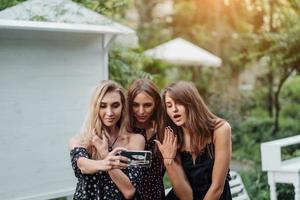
x: 141, y: 110
x: 109, y: 111
x: 175, y: 108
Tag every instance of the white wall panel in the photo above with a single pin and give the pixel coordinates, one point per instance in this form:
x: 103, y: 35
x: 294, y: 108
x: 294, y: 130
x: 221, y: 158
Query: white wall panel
x: 46, y: 79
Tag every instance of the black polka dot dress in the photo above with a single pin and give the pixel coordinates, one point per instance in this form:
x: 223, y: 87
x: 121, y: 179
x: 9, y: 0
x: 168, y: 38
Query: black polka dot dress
x: 152, y: 187
x: 88, y: 185
x: 110, y: 190
x: 99, y: 186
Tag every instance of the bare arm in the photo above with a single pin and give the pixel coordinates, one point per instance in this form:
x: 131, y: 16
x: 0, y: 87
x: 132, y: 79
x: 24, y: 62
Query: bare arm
x: 178, y: 180
x: 173, y: 166
x: 89, y: 166
x: 222, y: 141
x: 136, y: 142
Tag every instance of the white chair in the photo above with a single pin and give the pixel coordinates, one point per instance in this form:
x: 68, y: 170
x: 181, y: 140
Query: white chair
x: 237, y: 187
x: 279, y: 170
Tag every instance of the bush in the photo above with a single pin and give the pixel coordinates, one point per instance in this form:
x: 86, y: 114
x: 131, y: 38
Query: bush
x: 290, y: 96
x: 126, y: 65
x: 256, y: 183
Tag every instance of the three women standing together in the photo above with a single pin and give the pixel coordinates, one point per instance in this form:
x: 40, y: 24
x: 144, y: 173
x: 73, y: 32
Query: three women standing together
x: 185, y: 138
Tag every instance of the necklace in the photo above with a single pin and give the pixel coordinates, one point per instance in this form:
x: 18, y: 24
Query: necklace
x: 110, y: 147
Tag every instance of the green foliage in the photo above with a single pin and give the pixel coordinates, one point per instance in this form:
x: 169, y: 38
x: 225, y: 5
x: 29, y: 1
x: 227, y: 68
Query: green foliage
x: 290, y: 152
x: 8, y: 3
x: 285, y: 191
x: 256, y: 183
x: 127, y: 65
x: 289, y: 127
x: 290, y: 97
x: 167, y: 183
x: 39, y: 18
x: 112, y: 8
x: 247, y: 134
x: 168, y: 73
x: 160, y: 72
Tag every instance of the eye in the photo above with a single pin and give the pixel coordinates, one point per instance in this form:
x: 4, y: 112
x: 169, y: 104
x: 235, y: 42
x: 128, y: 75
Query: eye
x: 147, y: 105
x: 135, y: 105
x: 102, y: 105
x: 169, y: 105
x: 116, y: 105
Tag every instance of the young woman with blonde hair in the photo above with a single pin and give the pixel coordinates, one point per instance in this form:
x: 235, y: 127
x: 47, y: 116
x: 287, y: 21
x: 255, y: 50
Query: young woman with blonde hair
x: 196, y: 146
x: 145, y: 118
x: 100, y: 172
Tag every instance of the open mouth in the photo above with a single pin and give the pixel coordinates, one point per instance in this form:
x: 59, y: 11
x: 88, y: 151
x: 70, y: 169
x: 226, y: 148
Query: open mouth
x: 176, y: 116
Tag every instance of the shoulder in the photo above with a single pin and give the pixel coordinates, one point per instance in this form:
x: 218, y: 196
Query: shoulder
x: 74, y: 142
x: 223, y: 131
x: 136, y: 141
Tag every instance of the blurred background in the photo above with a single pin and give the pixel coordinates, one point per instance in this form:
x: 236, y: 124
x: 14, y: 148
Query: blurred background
x: 256, y: 86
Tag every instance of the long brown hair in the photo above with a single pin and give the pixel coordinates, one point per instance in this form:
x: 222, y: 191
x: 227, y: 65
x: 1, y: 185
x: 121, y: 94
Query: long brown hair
x: 147, y: 86
x: 93, y: 122
x: 201, y: 122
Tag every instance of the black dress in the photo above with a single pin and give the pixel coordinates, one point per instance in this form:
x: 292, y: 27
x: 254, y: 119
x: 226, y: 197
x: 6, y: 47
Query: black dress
x: 88, y: 185
x: 99, y: 186
x: 152, y: 187
x: 199, y: 174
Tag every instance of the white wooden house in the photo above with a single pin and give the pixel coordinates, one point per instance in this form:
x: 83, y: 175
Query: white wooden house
x: 48, y: 69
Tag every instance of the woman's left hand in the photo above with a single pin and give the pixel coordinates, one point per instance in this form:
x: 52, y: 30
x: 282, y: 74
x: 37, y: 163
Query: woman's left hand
x: 168, y: 148
x: 101, y: 145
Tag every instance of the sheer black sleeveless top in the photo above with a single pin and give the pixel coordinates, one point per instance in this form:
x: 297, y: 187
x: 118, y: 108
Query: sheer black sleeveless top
x: 199, y: 174
x: 152, y: 187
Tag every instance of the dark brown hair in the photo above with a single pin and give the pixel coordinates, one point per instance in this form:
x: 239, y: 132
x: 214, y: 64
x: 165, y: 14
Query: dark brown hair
x: 147, y: 86
x: 201, y: 122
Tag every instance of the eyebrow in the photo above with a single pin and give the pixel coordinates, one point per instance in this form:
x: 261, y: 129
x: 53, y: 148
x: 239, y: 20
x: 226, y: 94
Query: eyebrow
x: 143, y: 102
x: 103, y: 102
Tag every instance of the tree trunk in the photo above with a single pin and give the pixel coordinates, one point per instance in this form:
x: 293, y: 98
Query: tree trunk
x: 270, y: 99
x: 276, y: 99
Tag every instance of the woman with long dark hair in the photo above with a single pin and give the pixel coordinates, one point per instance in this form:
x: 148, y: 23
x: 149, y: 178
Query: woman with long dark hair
x: 196, y: 146
x: 145, y: 117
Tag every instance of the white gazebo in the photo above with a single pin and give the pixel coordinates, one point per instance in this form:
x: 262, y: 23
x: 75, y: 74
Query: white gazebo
x: 181, y: 52
x: 52, y: 53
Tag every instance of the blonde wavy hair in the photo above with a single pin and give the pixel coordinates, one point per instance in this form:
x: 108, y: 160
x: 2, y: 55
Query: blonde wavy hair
x: 93, y: 123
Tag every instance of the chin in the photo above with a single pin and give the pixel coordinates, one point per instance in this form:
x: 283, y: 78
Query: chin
x: 179, y: 123
x: 143, y: 121
x: 109, y: 124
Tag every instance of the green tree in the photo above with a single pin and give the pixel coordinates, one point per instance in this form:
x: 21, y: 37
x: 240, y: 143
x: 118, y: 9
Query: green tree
x: 279, y: 44
x: 115, y: 9
x: 125, y: 66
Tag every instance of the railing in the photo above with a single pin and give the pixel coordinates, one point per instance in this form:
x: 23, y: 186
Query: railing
x: 279, y: 170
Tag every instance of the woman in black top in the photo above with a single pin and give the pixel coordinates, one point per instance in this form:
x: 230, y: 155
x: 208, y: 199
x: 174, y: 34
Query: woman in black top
x: 200, y: 169
x: 144, y: 118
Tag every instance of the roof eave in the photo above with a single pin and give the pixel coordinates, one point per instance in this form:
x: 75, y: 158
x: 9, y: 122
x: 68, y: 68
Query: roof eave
x: 60, y: 27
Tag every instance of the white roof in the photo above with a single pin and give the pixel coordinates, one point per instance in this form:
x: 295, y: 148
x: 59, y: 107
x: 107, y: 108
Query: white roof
x: 182, y: 52
x: 58, y: 15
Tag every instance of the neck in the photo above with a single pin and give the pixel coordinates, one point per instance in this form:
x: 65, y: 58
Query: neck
x: 185, y: 130
x: 144, y: 125
x: 186, y: 139
x: 112, y: 131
